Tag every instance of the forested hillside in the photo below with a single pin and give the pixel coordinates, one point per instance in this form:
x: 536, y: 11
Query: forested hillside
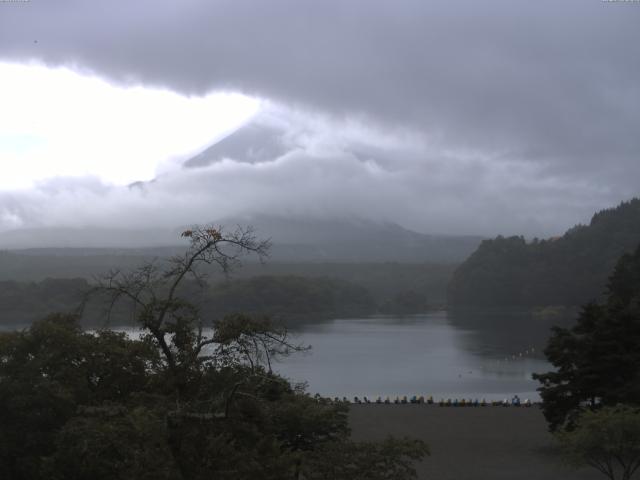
x: 23, y: 302
x: 289, y: 298
x: 570, y: 270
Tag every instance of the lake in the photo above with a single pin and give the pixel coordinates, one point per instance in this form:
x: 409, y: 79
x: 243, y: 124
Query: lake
x: 471, y: 355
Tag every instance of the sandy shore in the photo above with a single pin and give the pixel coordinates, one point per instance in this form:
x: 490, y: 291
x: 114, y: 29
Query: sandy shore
x: 490, y: 443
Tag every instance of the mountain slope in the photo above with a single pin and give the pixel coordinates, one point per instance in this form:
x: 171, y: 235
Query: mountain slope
x: 569, y: 270
x: 293, y: 240
x: 356, y: 240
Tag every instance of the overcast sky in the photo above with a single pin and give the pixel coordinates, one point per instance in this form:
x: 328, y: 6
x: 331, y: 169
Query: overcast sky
x: 478, y: 117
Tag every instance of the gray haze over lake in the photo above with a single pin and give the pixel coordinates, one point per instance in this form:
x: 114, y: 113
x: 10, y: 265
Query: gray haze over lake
x: 473, y: 354
x: 417, y: 355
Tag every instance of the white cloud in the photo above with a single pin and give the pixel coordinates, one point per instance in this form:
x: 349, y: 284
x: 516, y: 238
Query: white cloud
x: 70, y: 143
x: 327, y: 169
x: 57, y: 122
x: 476, y: 117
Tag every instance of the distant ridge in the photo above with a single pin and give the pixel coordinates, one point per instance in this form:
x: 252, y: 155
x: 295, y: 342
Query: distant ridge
x: 293, y: 240
x: 568, y: 270
x: 88, y: 238
x: 356, y: 240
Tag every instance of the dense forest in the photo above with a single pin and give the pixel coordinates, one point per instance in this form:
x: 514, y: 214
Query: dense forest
x: 24, y: 302
x: 384, y: 280
x: 289, y: 298
x: 180, y: 402
x: 569, y: 270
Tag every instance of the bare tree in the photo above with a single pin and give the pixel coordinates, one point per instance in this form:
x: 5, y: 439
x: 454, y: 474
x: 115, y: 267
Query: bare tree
x: 152, y: 290
x: 256, y: 341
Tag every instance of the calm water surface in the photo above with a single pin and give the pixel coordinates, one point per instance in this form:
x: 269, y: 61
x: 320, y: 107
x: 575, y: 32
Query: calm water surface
x: 433, y: 354
x: 474, y: 354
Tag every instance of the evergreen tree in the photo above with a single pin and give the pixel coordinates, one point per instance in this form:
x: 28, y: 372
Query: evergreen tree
x: 598, y: 360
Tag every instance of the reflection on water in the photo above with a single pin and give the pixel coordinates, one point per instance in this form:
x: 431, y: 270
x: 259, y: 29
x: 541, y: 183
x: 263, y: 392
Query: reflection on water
x: 439, y: 354
x: 468, y: 354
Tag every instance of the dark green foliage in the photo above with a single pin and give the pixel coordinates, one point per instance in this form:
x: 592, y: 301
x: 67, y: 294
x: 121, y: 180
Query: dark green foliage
x: 47, y: 372
x: 287, y: 297
x: 382, y: 280
x: 21, y: 303
x: 104, y: 443
x: 569, y: 270
x: 598, y: 360
x: 179, y: 403
x: 81, y: 406
x: 291, y: 297
x: 406, y: 303
x: 22, y: 300
x: 607, y: 439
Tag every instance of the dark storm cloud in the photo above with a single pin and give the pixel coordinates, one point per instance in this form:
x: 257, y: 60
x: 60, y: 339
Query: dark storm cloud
x: 550, y: 80
x: 530, y: 110
x: 322, y: 176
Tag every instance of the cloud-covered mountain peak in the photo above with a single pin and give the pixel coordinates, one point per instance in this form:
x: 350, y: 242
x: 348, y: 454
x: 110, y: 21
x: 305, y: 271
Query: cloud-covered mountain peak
x: 252, y: 143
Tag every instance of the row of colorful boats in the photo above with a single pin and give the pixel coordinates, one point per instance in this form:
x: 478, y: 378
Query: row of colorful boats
x: 449, y: 402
